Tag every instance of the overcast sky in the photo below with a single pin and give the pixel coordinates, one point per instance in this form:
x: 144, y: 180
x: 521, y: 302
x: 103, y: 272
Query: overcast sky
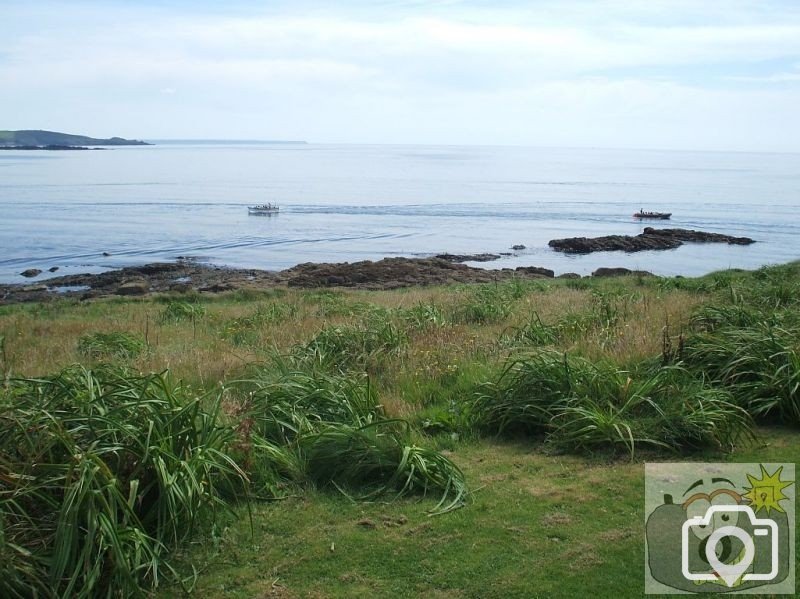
x: 693, y: 74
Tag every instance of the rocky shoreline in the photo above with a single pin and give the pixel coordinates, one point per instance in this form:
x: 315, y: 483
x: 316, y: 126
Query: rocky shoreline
x: 186, y: 276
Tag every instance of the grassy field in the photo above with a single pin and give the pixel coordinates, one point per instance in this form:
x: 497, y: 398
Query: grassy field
x: 472, y: 441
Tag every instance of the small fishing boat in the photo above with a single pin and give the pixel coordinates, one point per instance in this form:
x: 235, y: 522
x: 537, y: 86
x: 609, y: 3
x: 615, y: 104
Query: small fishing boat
x: 263, y: 209
x: 645, y: 214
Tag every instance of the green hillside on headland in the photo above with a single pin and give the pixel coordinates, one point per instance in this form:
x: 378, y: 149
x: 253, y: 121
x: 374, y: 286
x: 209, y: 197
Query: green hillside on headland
x: 313, y: 433
x: 32, y: 137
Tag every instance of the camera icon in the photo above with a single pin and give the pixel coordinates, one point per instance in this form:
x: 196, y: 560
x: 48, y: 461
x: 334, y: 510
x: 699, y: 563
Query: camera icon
x: 736, y: 570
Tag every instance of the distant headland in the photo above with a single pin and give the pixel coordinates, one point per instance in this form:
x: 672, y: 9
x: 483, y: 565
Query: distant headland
x: 34, y: 139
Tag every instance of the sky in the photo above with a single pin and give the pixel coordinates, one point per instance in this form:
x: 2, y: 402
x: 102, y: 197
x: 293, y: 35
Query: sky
x: 676, y: 74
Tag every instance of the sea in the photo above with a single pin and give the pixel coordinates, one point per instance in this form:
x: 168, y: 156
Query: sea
x: 90, y: 211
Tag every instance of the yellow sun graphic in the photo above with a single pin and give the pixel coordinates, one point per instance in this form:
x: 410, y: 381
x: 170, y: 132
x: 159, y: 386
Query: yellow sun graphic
x: 766, y: 492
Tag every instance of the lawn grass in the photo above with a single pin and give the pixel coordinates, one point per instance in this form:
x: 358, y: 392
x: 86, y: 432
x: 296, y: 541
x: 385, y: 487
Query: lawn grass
x: 538, y: 525
x: 557, y: 494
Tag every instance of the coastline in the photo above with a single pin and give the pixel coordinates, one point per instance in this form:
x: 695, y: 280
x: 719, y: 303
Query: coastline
x: 187, y: 276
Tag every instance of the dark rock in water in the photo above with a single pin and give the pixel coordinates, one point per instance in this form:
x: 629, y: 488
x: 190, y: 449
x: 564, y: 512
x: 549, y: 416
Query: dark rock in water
x: 537, y: 271
x: 518, y: 247
x: 133, y: 288
x: 106, y: 254
x: 468, y: 257
x: 610, y: 243
x: 506, y: 254
x: 697, y: 236
x: 31, y: 272
x: 620, y: 272
x: 649, y: 239
x: 569, y: 275
x: 52, y: 269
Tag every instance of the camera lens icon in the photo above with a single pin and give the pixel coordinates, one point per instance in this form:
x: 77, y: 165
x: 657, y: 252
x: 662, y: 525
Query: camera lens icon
x: 733, y: 571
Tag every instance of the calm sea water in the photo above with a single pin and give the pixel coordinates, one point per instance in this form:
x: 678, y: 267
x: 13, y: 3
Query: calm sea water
x: 350, y: 202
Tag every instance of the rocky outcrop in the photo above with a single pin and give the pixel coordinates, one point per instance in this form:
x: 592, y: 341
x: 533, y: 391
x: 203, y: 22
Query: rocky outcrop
x: 518, y: 247
x: 133, y: 288
x: 696, y: 236
x: 388, y: 273
x: 468, y: 257
x: 649, y: 239
x: 31, y: 272
x: 391, y: 273
x: 536, y: 271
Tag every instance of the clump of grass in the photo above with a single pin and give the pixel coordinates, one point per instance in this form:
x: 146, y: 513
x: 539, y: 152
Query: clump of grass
x: 574, y: 325
x: 179, y: 311
x: 533, y: 333
x: 356, y: 346
x: 379, y: 457
x: 287, y: 403
x: 247, y: 330
x: 423, y: 317
x: 576, y: 405
x: 661, y: 409
x: 111, y: 345
x: 708, y: 318
x: 483, y: 304
x: 100, y: 474
x: 759, y: 364
x: 331, y: 430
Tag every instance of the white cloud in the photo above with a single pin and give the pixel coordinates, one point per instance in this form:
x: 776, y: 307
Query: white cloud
x: 610, y: 73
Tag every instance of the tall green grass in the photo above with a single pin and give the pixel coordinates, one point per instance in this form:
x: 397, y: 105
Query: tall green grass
x: 576, y: 405
x: 120, y: 345
x: 248, y: 330
x: 100, y: 474
x: 178, y: 311
x: 355, y: 346
x: 759, y: 364
x: 330, y: 429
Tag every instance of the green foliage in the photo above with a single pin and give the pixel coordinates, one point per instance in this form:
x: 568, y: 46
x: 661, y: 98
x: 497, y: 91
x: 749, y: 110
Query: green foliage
x: 533, y: 333
x: 111, y: 345
x: 178, y: 311
x: 759, y: 364
x: 380, y: 457
x: 100, y: 473
x: 423, y: 317
x: 483, y: 304
x: 578, y: 406
x: 248, y: 330
x: 356, y: 346
x: 331, y: 429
